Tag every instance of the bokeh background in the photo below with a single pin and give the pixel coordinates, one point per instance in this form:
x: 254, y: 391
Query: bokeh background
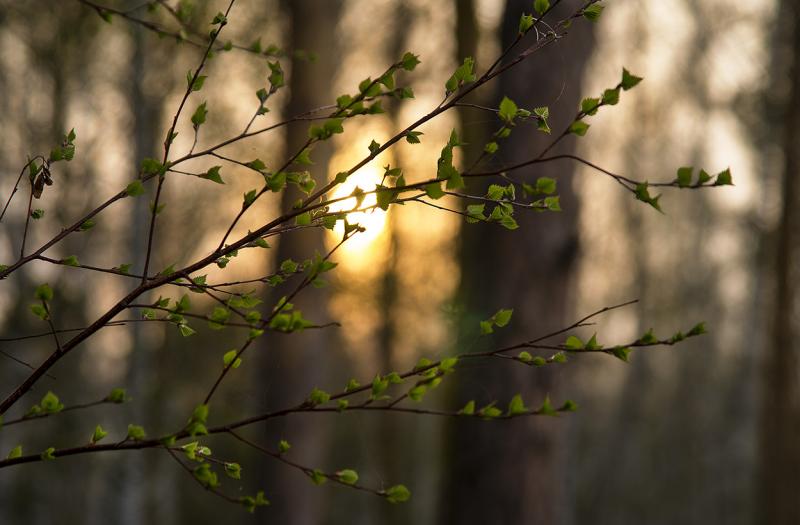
x: 706, y: 432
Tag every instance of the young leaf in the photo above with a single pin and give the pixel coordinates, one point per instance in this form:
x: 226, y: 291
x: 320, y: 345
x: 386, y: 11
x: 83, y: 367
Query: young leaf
x: 541, y: 6
x: 684, y: 178
x: 573, y: 343
x: 98, y: 434
x: 508, y: 110
x: 579, y: 128
x: 409, y: 61
x: 516, y: 406
x: 135, y: 433
x: 397, y: 494
x: 213, y: 175
x: 628, y: 80
x: 347, y: 476
x: 593, y: 12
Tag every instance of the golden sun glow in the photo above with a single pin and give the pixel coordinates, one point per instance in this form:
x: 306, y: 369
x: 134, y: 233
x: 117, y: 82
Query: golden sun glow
x: 373, y: 220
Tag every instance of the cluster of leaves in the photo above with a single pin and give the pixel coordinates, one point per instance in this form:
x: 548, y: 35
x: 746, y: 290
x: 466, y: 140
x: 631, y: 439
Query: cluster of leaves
x: 237, y: 306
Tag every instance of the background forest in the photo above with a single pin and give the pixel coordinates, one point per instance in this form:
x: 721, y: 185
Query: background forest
x: 706, y: 432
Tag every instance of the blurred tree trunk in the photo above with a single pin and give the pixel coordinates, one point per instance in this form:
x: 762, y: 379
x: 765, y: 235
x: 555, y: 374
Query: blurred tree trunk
x: 780, y: 452
x: 294, y: 364
x: 138, y: 498
x: 513, y: 473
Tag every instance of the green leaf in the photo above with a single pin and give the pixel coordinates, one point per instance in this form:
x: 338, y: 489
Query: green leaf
x: 374, y: 147
x: 230, y: 359
x: 573, y: 343
x: 463, y: 75
x: 304, y: 157
x: 703, y: 177
x: 37, y: 214
x: 611, y: 96
x: 347, y: 476
x: 698, y: 329
x: 502, y: 317
x: 684, y: 178
x: 44, y: 292
x: 621, y: 353
x: 568, y: 406
x: 516, y: 406
x: 592, y: 343
x: 304, y: 219
x: 276, y: 78
x: 15, y: 452
x: 628, y: 80
x: 333, y: 125
x: 412, y: 137
x: 317, y: 477
x: 525, y: 357
x: 379, y: 386
x: 72, y: 260
x: 98, y: 434
x: 547, y: 408
x: 47, y: 454
x: 249, y: 198
x: 283, y: 446
x: 447, y: 364
x: 643, y: 195
x: 262, y: 95
x: 186, y: 330
x: 213, y: 175
x: 199, y: 116
x: 318, y: 397
x: 409, y: 61
x: 541, y: 6
x: 117, y: 395
x: 397, y: 494
x: 387, y: 79
x: 590, y: 105
x: 50, y: 403
x: 434, y: 190
x: 495, y: 192
x: 135, y: 433
x: 648, y: 338
x: 525, y: 23
x: 233, y: 470
x: 545, y: 185
x: 579, y: 128
x: 593, y: 12
x: 469, y: 409
x: 134, y: 189
x: 490, y: 411
x: 39, y: 311
x: 724, y: 178
x: 257, y: 165
x: 151, y: 166
x: 508, y: 110
x: 418, y: 392
x: 197, y: 85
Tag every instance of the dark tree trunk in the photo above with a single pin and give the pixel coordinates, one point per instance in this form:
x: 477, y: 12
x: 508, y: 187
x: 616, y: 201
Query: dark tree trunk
x: 295, y: 364
x: 780, y: 453
x: 512, y: 473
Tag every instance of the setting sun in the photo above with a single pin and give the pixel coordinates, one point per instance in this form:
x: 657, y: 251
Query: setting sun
x: 374, y: 220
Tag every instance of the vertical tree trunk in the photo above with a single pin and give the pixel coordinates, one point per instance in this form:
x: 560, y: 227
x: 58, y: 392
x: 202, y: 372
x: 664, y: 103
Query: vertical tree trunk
x: 512, y: 473
x: 780, y: 452
x: 146, y: 129
x: 295, y: 364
